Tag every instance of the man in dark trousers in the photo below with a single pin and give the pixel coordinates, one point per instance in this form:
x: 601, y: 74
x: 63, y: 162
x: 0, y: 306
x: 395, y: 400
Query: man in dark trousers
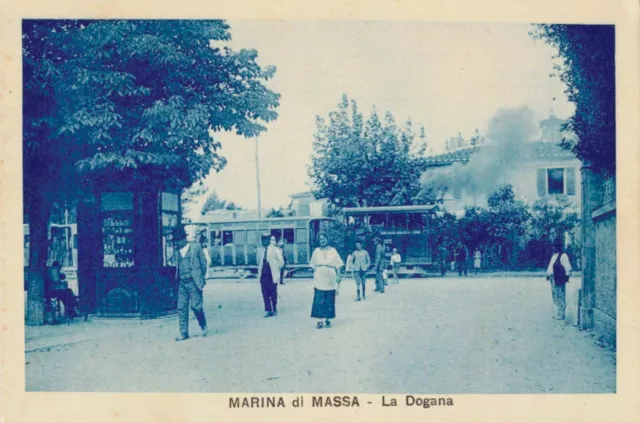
x: 462, y: 255
x: 270, y: 262
x: 380, y: 264
x: 191, y: 271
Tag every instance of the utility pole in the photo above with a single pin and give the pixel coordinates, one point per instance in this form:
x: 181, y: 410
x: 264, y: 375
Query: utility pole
x: 258, y: 178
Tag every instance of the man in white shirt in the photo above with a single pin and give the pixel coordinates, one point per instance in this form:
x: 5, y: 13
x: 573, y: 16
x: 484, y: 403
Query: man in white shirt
x: 558, y: 273
x: 270, y: 262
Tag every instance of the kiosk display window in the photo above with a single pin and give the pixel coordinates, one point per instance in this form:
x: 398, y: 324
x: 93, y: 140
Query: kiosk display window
x: 117, y: 229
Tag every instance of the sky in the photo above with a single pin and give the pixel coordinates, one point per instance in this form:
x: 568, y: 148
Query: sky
x: 450, y: 78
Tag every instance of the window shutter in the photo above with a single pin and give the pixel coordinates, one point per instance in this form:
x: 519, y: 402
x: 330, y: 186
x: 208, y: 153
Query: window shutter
x: 571, y: 180
x: 542, y: 182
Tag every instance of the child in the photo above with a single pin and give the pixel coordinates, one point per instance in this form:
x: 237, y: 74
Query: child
x: 396, y: 259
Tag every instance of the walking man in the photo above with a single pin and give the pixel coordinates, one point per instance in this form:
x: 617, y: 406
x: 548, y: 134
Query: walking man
x: 191, y: 270
x: 360, y: 265
x: 558, y: 274
x: 379, y: 265
x: 270, y: 262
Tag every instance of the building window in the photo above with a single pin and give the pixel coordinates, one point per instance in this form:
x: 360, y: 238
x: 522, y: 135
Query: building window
x: 555, y: 181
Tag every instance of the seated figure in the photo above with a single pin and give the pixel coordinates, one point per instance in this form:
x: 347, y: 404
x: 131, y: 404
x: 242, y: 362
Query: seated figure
x: 56, y: 287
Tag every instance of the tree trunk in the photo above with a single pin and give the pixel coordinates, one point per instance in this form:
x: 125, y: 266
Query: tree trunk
x: 39, y: 211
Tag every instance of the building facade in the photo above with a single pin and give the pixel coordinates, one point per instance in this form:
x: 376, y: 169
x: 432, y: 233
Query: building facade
x: 545, y: 170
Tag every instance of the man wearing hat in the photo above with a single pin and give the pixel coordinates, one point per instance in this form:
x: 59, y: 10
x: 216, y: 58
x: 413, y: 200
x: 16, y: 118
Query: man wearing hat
x: 191, y: 271
x: 270, y: 261
x: 380, y: 264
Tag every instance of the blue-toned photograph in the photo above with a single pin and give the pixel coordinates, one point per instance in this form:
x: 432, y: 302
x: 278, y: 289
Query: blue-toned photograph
x: 359, y: 207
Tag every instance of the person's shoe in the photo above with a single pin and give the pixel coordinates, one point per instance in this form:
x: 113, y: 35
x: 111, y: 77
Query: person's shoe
x: 268, y: 314
x: 327, y: 323
x: 364, y: 297
x: 205, y: 331
x: 357, y: 299
x: 182, y: 337
x: 275, y: 313
x: 319, y: 325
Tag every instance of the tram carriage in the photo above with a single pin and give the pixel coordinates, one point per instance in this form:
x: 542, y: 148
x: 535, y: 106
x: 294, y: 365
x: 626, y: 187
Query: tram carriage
x: 407, y: 228
x: 233, y: 244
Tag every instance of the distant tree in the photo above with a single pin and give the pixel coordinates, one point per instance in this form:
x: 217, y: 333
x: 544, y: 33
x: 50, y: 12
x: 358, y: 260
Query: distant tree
x: 191, y: 196
x: 364, y: 164
x: 587, y: 67
x: 281, y: 212
x: 507, y: 218
x: 275, y: 212
x: 552, y: 218
x: 214, y: 202
x: 143, y: 96
x: 474, y: 227
x: 232, y: 206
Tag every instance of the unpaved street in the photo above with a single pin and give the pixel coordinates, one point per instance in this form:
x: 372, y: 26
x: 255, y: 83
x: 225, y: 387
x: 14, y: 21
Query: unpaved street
x: 425, y: 336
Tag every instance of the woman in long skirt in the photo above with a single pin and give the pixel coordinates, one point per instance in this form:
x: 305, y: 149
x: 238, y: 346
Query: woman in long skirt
x: 326, y: 264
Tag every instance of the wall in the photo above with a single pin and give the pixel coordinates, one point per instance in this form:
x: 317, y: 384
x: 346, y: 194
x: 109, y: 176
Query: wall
x: 605, y: 286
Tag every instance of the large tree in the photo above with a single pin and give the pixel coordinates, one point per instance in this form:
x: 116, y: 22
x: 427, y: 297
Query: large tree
x: 586, y: 65
x: 143, y: 96
x: 357, y: 163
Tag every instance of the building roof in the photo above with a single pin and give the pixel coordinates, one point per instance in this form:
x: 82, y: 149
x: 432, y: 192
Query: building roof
x: 537, y: 150
x: 387, y: 209
x: 302, y: 195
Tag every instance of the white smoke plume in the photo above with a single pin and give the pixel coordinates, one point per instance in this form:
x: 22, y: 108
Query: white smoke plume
x: 506, y: 144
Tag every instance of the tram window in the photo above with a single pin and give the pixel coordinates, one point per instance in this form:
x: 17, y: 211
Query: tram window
x: 288, y: 235
x: 416, y: 221
x: 398, y: 222
x: 227, y: 238
x: 251, y: 237
x: 379, y: 220
x: 75, y: 241
x: 277, y: 233
x: 239, y: 237
x: 216, y: 239
x: 301, y: 235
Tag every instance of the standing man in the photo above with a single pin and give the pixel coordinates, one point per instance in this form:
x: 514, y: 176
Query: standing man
x: 191, y: 270
x: 477, y: 260
x: 461, y: 259
x: 270, y: 262
x: 558, y: 274
x: 379, y: 265
x: 360, y: 263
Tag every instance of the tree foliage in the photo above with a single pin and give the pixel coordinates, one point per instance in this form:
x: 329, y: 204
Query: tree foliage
x: 145, y: 96
x: 372, y: 163
x: 551, y: 218
x: 587, y: 67
x: 214, y: 202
